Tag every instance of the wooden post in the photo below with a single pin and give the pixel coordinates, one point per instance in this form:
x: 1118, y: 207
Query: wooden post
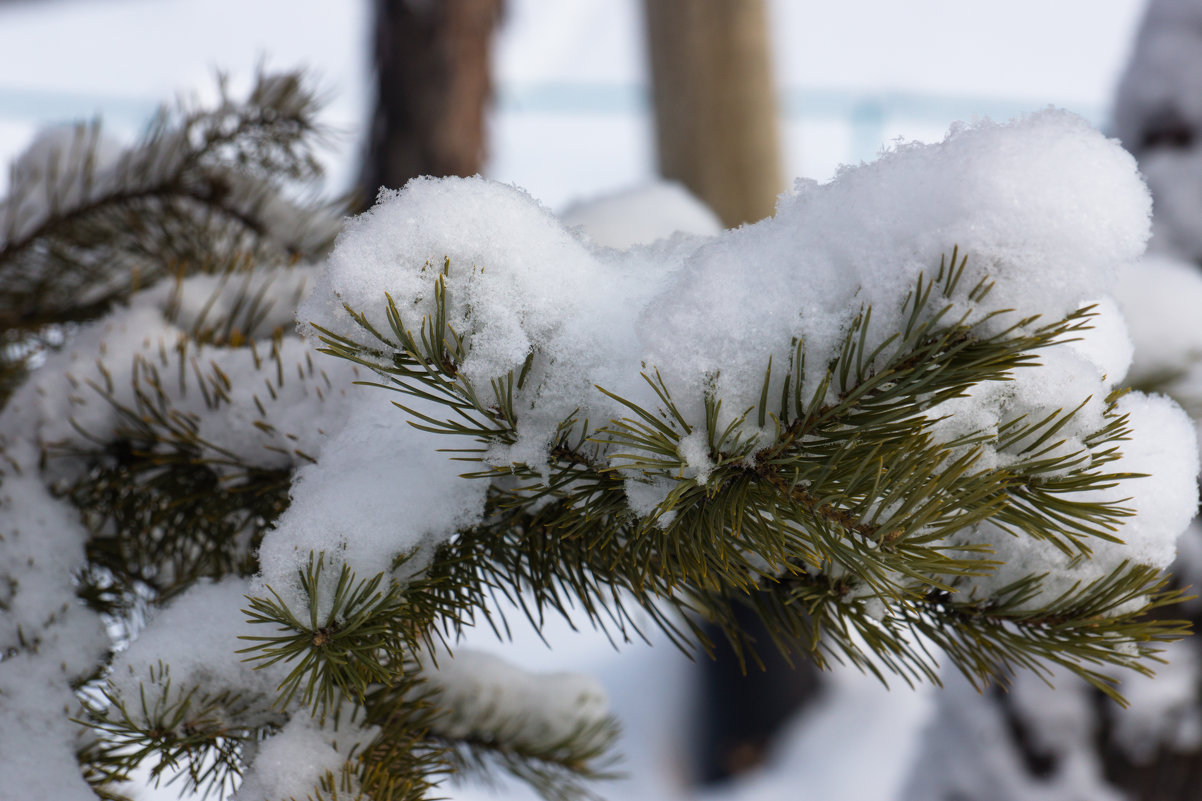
x: 715, y: 103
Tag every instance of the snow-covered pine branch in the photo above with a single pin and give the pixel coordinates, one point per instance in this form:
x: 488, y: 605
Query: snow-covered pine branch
x: 901, y: 415
x: 894, y: 410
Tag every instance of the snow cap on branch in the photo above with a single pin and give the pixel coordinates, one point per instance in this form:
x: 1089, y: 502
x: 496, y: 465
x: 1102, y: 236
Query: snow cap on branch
x: 1045, y: 206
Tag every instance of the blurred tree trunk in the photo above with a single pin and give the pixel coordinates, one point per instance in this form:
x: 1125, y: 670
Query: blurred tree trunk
x: 432, y: 87
x: 715, y: 103
x: 743, y: 708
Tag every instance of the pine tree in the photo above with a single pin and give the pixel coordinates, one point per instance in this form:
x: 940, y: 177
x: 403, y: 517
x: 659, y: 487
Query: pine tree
x: 240, y: 558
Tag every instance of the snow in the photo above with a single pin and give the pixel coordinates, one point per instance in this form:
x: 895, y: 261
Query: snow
x: 196, y: 637
x: 968, y: 749
x: 650, y: 688
x: 1107, y: 343
x: 1051, y: 210
x: 47, y: 541
x: 860, y: 239
x: 226, y: 392
x: 1163, y: 505
x: 1157, y: 297
x: 1164, y: 710
x: 38, y: 740
x: 544, y: 265
x: 493, y: 700
x: 1044, y: 206
x: 529, y: 284
x: 694, y: 450
x: 378, y: 490
x: 821, y: 754
x: 290, y: 763
x: 41, y: 544
x: 641, y: 215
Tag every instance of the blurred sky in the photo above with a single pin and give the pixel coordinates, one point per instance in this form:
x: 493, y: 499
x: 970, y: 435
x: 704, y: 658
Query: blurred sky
x: 571, y: 74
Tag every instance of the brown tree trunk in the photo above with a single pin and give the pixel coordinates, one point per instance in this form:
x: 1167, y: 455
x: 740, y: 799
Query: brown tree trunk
x: 433, y: 85
x: 715, y: 103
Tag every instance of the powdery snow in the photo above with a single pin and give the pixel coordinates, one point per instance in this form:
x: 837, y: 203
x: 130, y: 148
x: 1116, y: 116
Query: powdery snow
x: 1046, y: 207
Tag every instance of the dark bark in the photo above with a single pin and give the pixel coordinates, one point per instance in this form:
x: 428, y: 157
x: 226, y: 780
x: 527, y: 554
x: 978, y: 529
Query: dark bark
x: 432, y: 89
x: 742, y: 709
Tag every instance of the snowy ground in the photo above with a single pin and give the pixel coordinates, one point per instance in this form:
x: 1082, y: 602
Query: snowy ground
x: 571, y: 123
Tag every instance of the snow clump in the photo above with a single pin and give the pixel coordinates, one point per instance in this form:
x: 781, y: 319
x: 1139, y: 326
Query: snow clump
x: 1047, y: 208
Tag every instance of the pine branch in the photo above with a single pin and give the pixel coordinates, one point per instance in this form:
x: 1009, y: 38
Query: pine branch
x: 403, y: 762
x: 848, y: 516
x: 422, y: 736
x: 164, y: 505
x: 1080, y: 630
x: 247, y: 303
x: 163, y: 522
x: 201, y: 188
x: 355, y: 635
x: 186, y: 736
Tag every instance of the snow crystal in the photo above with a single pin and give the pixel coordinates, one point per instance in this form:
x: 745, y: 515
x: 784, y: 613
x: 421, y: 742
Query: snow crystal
x: 694, y: 449
x: 645, y: 496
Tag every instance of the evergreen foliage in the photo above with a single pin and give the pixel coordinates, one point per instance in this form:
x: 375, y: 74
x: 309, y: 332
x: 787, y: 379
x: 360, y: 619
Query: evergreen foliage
x: 803, y: 517
x: 839, y: 529
x: 84, y: 226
